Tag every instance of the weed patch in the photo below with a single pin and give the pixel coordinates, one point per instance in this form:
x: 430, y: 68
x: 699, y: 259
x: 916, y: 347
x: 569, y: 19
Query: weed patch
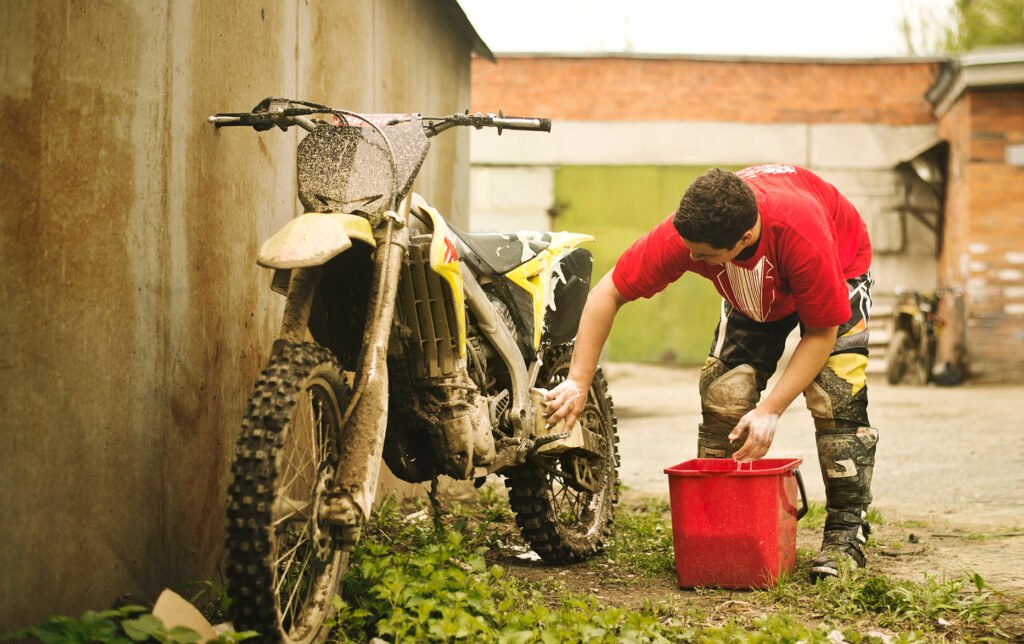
x: 420, y: 580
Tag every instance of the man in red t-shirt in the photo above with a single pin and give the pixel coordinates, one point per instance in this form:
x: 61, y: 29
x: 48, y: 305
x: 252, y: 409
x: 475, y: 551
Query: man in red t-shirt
x: 784, y: 249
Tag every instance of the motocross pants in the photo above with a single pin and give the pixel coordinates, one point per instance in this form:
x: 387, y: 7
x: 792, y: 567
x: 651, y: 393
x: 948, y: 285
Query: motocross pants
x: 743, y: 357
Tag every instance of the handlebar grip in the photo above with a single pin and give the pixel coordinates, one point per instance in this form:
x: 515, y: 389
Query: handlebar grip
x: 522, y: 123
x: 257, y: 121
x: 223, y: 120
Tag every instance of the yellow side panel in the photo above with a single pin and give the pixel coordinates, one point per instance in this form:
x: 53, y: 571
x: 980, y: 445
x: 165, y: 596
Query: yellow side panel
x: 535, y: 276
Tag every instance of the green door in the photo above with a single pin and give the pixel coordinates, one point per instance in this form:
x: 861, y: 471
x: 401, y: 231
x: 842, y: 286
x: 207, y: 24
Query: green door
x: 618, y: 204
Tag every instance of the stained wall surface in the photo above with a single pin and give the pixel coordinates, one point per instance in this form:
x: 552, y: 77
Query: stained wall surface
x: 133, y: 319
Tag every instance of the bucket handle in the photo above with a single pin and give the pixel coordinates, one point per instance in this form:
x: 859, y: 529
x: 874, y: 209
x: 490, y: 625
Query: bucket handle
x: 803, y: 494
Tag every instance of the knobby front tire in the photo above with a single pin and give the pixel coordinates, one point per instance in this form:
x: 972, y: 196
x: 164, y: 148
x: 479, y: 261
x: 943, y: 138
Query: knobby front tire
x: 283, y: 564
x: 898, y: 357
x: 563, y: 523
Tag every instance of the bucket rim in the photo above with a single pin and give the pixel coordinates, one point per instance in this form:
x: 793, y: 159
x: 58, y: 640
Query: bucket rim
x: 769, y: 467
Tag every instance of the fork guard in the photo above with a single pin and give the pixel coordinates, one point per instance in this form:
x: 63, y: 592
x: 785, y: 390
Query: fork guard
x: 312, y: 239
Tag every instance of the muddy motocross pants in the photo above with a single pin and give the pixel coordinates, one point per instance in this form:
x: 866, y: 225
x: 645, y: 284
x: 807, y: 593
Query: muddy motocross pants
x: 743, y: 357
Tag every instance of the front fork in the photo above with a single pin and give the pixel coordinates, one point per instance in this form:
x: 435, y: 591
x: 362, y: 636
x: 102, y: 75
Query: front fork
x: 364, y: 418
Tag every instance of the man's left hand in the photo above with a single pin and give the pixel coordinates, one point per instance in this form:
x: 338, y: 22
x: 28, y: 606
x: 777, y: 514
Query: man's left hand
x: 760, y: 428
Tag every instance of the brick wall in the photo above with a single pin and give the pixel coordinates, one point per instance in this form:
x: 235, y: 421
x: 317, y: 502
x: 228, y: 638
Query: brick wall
x: 680, y: 89
x: 985, y: 223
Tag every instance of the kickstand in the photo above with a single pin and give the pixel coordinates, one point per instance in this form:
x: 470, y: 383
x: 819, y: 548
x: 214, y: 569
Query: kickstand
x: 435, y: 504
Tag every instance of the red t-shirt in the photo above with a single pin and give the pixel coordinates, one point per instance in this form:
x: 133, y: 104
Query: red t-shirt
x: 812, y: 241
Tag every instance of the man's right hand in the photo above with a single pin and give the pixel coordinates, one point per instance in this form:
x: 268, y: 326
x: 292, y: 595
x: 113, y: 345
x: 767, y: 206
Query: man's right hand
x: 566, y: 401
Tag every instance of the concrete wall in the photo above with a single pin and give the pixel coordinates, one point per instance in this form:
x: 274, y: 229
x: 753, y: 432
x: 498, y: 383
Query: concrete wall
x: 133, y: 317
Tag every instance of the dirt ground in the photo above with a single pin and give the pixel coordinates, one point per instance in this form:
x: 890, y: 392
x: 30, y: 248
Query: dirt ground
x: 949, y: 473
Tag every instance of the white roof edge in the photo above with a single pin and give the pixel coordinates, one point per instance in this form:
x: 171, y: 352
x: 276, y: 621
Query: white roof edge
x: 989, y: 67
x: 833, y: 60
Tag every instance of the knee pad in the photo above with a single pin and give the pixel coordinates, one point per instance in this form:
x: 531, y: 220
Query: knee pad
x: 838, y: 402
x: 725, y: 396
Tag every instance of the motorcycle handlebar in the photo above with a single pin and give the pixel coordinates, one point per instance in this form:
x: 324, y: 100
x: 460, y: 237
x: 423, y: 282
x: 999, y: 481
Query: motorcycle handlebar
x: 285, y: 115
x: 435, y: 125
x: 261, y: 121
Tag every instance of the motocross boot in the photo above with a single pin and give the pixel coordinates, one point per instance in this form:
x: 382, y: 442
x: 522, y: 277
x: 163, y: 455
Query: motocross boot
x: 837, y: 400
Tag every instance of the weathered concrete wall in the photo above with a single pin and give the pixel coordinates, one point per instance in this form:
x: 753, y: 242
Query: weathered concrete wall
x: 133, y: 317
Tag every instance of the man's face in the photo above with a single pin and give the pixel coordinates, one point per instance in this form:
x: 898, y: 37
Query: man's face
x: 701, y: 252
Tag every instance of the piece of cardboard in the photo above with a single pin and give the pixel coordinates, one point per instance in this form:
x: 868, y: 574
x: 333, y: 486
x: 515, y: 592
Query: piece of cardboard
x: 173, y: 610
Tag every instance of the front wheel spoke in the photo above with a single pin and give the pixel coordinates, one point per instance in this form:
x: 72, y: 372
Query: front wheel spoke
x: 292, y: 472
x: 303, y: 539
x: 315, y: 409
x: 298, y: 585
x: 322, y: 437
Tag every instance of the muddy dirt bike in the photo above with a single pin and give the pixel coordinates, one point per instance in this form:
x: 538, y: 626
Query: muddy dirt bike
x: 430, y: 348
x: 916, y: 326
x: 911, y: 351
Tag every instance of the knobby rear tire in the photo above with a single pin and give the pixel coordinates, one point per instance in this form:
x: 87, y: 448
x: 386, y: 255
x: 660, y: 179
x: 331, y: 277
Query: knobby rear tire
x: 283, y: 564
x: 562, y: 524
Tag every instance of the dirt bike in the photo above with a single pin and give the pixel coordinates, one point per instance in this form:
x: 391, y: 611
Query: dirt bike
x: 910, y: 355
x: 405, y: 340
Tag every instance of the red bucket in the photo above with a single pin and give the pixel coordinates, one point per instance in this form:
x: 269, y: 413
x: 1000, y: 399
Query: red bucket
x: 734, y: 526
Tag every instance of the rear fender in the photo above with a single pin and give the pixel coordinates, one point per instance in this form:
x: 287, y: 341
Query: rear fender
x: 313, y: 239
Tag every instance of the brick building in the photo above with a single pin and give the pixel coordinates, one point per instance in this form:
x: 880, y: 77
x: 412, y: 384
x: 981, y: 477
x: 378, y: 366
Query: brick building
x: 626, y: 127
x: 979, y: 103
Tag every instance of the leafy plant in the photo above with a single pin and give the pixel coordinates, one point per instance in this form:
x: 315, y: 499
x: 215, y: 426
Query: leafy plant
x: 117, y: 626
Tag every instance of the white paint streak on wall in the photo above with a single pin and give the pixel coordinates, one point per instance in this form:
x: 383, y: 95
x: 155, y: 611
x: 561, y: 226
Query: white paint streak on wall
x: 1014, y: 309
x: 1014, y: 258
x: 1010, y: 274
x: 977, y: 267
x: 1014, y: 292
x: 978, y: 248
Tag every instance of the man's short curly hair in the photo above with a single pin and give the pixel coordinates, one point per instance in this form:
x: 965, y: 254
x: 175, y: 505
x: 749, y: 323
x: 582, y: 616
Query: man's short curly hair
x: 716, y: 209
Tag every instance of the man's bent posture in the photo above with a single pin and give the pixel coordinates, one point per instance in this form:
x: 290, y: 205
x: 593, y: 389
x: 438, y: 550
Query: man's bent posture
x: 784, y: 249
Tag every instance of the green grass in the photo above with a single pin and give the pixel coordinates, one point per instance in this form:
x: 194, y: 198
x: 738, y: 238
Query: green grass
x: 641, y: 543
x: 417, y: 581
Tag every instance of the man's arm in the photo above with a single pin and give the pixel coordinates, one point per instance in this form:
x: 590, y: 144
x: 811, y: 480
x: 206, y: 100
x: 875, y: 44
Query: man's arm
x: 569, y: 397
x: 808, y: 359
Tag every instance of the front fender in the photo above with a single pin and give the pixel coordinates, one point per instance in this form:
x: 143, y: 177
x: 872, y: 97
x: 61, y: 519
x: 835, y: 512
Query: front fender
x: 312, y: 239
